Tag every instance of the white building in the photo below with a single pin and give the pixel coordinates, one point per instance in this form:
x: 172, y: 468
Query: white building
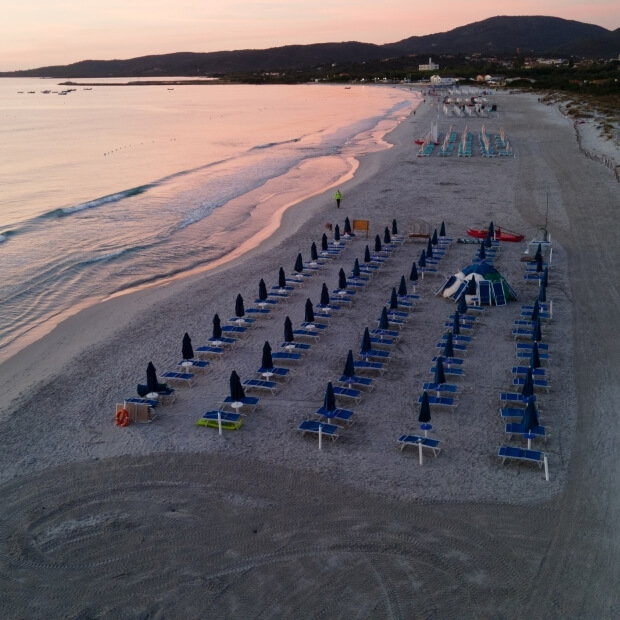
x: 431, y: 66
x: 437, y: 80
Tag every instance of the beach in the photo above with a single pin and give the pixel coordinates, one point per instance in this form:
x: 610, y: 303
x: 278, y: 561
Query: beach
x: 168, y: 519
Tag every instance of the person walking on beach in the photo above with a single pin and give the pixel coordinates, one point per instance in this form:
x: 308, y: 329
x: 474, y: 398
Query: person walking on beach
x: 338, y: 197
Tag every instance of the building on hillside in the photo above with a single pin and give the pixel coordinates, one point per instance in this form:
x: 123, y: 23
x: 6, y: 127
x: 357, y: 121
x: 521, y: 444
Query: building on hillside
x: 431, y: 66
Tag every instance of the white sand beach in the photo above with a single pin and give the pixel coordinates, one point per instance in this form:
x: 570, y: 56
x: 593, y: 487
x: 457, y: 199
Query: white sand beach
x: 168, y: 519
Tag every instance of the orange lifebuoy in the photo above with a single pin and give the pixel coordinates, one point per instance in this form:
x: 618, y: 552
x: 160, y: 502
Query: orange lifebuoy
x: 122, y: 417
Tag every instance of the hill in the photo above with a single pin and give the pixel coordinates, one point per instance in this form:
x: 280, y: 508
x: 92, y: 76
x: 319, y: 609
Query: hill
x: 535, y: 35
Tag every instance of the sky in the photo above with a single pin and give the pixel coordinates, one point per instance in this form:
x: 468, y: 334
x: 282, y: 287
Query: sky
x: 38, y: 33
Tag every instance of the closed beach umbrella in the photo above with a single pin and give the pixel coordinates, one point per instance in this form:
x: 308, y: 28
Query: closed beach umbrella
x: 440, y: 375
x: 367, y: 255
x: 186, y: 347
x: 386, y: 236
x: 267, y: 361
x: 422, y: 261
x: 324, y: 244
x: 538, y: 252
x: 309, y: 312
x: 347, y: 226
x: 413, y: 276
x: 342, y: 279
x: 402, y: 287
x: 239, y: 309
x: 489, y: 239
x: 482, y: 253
x: 394, y: 300
x: 434, y: 239
x: 217, y: 328
x: 349, y: 367
x: 491, y: 230
x: 288, y: 330
x: 337, y: 233
x: 448, y: 347
x: 542, y: 293
x: 366, y: 344
x: 429, y: 249
x: 281, y: 278
x: 236, y: 389
x: 314, y: 254
x: 535, y: 357
x: 356, y: 269
x: 425, y: 409
x: 324, y: 295
x: 535, y: 311
x: 377, y: 243
x: 384, y: 323
x: 456, y: 324
x: 329, y: 403
x: 394, y: 227
x: 299, y: 263
x: 472, y: 287
x: 152, y: 384
x: 545, y: 276
x: 528, y: 384
x: 462, y: 307
x: 442, y: 230
x: 262, y: 290
x: 530, y: 416
x: 539, y: 263
x: 537, y: 332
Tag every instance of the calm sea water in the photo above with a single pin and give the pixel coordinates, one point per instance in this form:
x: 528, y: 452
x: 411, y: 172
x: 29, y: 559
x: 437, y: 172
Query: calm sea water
x: 107, y: 189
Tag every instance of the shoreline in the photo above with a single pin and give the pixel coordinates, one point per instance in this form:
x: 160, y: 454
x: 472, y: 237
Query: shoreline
x: 260, y: 521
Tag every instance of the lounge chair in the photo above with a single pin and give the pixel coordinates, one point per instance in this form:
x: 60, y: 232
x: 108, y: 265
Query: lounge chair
x: 274, y: 373
x: 259, y: 312
x: 319, y: 327
x: 448, y: 388
x: 541, y: 384
x: 459, y: 347
x: 342, y: 415
x: 458, y: 338
x: 150, y: 402
x: 195, y: 365
x: 449, y: 361
x: 250, y: 402
x: 364, y: 366
x: 508, y: 413
x: 440, y: 401
x: 520, y: 454
x: 242, y: 321
x: 544, y: 357
x: 259, y: 384
x: 285, y: 356
x: 375, y: 353
x: 185, y: 378
x: 307, y: 333
x: 522, y: 370
x: 484, y: 293
x: 386, y: 333
x: 222, y: 341
x: 514, y: 398
x: 361, y: 383
x: 312, y: 426
x: 230, y: 421
x: 297, y: 347
x: 466, y: 325
x: 382, y: 342
x: 341, y: 392
x: 498, y: 293
x: 448, y: 371
x: 165, y: 394
x: 416, y: 440
x: 209, y: 351
x: 542, y: 346
x: 234, y: 329
x: 516, y: 428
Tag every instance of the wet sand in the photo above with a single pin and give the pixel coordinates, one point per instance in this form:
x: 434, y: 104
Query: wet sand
x: 169, y: 519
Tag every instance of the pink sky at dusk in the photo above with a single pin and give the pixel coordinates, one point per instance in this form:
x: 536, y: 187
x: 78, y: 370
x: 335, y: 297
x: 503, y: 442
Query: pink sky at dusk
x: 36, y: 33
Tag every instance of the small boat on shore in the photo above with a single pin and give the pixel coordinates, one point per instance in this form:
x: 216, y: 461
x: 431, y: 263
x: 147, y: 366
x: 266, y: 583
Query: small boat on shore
x: 500, y: 235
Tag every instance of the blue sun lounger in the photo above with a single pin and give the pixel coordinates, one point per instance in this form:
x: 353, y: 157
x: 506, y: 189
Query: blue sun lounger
x: 375, y: 353
x: 544, y: 357
x: 519, y: 454
x: 541, y: 384
x: 342, y: 415
x: 312, y: 426
x: 341, y: 392
x: 382, y: 342
x: 448, y: 388
x: 285, y: 356
x: 385, y: 333
x: 307, y: 333
x: 296, y: 347
x: 151, y: 402
x: 415, y: 440
x: 363, y: 383
x: 230, y: 421
x: 449, y: 361
x: 457, y: 338
x: 244, y: 321
x: 209, y: 350
x: 528, y: 346
x: 364, y: 366
x: 458, y: 347
x: 522, y: 370
x: 186, y: 378
x: 443, y: 401
x: 508, y: 413
x: 248, y: 401
x: 195, y: 365
x: 275, y: 372
x: 516, y: 428
x: 515, y: 398
x: 234, y: 329
x: 449, y: 371
x: 222, y: 341
x: 259, y: 384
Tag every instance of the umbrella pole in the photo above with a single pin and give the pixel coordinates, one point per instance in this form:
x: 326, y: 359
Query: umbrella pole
x: 420, y: 451
x: 219, y: 421
x: 320, y: 436
x: 546, y: 467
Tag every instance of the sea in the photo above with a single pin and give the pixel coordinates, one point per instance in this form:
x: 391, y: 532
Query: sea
x: 108, y: 188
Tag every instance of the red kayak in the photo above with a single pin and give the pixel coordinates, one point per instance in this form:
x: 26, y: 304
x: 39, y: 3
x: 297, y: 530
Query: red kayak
x: 499, y: 235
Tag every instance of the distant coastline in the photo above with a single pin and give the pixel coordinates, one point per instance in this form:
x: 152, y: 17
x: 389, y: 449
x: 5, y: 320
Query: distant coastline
x: 203, y: 82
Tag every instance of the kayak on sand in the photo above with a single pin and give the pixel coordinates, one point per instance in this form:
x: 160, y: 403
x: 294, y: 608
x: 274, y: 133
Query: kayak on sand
x: 499, y: 234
